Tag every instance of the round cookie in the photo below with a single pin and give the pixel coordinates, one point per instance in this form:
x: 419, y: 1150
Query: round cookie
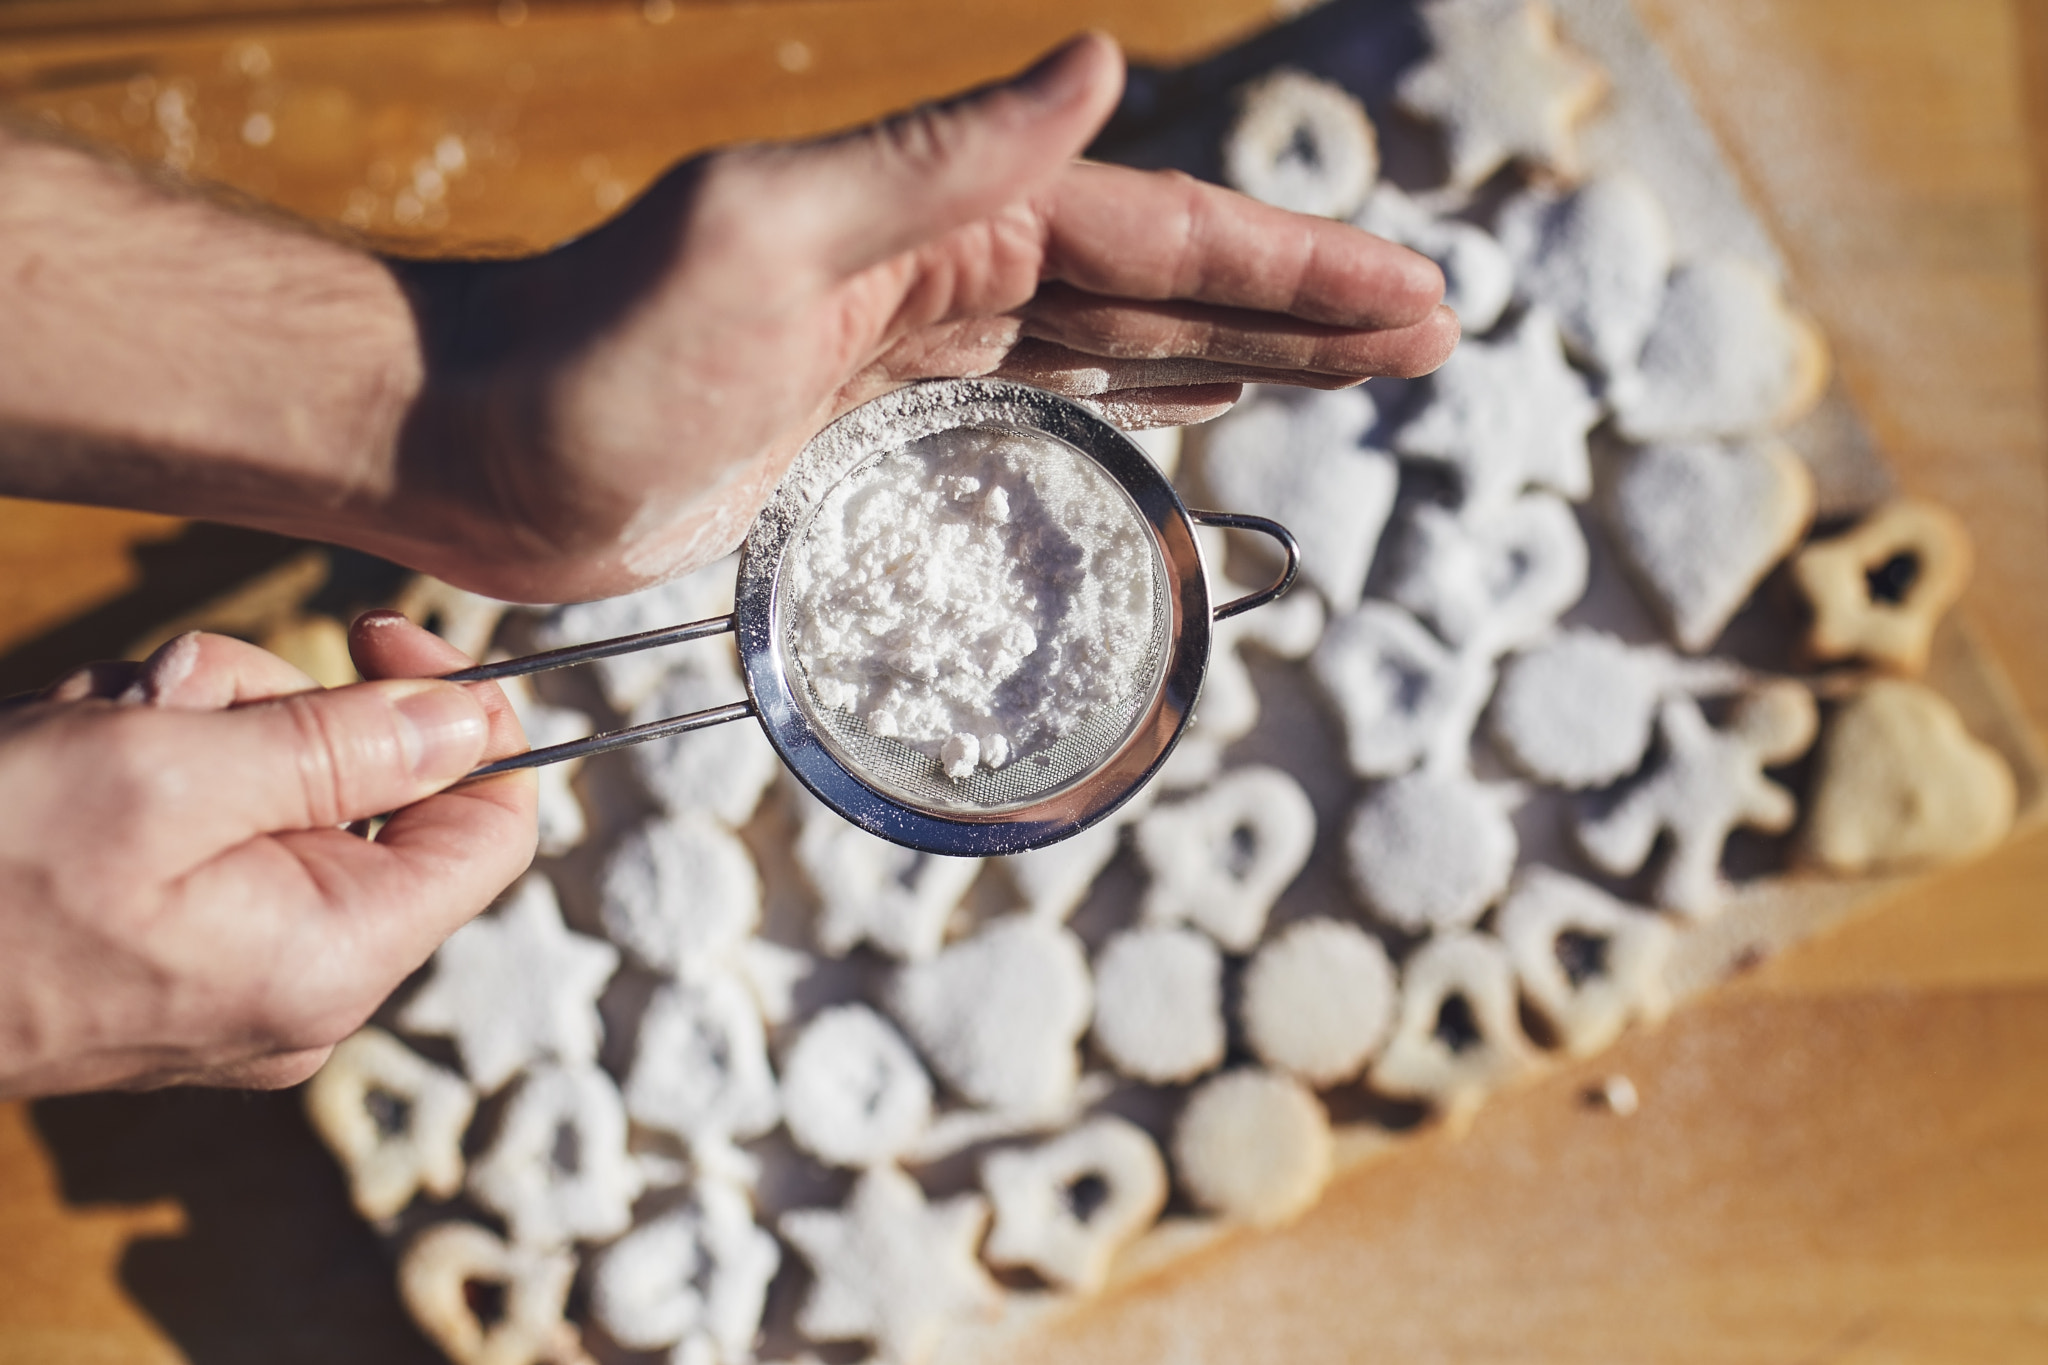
x: 680, y: 893
x: 1430, y: 850
x: 1318, y: 1000
x: 1301, y: 143
x: 1879, y: 591
x: 853, y: 1093
x: 1159, y: 1004
x: 1253, y: 1146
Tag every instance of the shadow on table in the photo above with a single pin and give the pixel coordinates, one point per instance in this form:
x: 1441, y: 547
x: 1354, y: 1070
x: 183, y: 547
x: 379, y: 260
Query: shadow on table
x: 274, y: 1266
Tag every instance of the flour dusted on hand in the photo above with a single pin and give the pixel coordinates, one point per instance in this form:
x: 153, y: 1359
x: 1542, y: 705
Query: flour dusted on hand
x: 976, y: 595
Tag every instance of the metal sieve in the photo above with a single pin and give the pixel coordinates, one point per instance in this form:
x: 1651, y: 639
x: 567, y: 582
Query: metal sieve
x: 893, y: 788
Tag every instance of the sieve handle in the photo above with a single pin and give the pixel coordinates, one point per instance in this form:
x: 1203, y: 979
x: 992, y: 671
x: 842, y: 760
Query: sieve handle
x: 607, y: 649
x: 1265, y: 526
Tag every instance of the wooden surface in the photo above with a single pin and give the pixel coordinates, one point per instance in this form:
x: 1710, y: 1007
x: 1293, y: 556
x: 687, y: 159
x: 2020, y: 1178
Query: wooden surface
x: 1842, y: 1157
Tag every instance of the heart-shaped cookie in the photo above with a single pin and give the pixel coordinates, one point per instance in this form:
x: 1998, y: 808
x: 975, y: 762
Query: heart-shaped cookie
x: 1902, y: 784
x: 1700, y: 523
x: 1491, y: 579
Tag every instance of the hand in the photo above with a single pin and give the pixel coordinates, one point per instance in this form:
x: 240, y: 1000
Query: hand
x: 615, y: 411
x: 178, y: 899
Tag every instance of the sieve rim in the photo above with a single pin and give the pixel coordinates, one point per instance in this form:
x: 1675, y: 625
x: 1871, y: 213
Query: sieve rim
x: 889, y: 423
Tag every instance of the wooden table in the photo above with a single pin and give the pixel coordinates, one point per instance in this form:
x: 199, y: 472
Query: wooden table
x: 1842, y: 1157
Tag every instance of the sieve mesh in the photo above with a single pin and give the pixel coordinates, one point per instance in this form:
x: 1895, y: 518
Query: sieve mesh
x: 909, y: 774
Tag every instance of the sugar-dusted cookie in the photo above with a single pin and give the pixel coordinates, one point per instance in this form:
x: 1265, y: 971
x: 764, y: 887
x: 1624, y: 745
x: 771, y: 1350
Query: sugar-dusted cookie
x: 1505, y: 414
x: 1065, y: 1208
x: 562, y: 822
x: 680, y: 894
x: 1727, y: 356
x: 1491, y: 578
x: 1702, y: 786
x: 1456, y: 1036
x: 1301, y: 143
x: 999, y: 1014
x: 1229, y: 709
x: 515, y: 987
x: 1159, y: 1004
x: 1220, y: 859
x: 890, y: 1268
x: 700, y: 1069
x: 723, y: 769
x: 1431, y: 850
x: 393, y: 1120
x: 1901, y: 784
x: 1252, y: 1146
x: 1699, y: 523
x: 1501, y: 85
x: 1403, y: 698
x: 1299, y: 456
x: 1578, y: 709
x: 1878, y: 592
x: 853, y: 1093
x: 870, y: 890
x: 628, y: 679
x: 1587, y: 962
x: 1479, y: 279
x: 557, y: 1170
x: 1055, y: 879
x: 699, y: 1272
x: 1596, y: 255
x: 1318, y: 1000
x: 435, y: 1277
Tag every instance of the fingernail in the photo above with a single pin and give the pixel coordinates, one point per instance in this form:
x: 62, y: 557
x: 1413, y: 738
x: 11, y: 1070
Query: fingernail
x: 1059, y: 78
x: 443, y: 729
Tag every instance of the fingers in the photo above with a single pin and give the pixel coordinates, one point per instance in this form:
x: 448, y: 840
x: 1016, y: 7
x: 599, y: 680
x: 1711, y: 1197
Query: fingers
x: 1182, y: 406
x: 200, y: 672
x: 882, y: 191
x: 1161, y: 235
x: 1120, y: 329
x: 103, y: 681
x: 384, y: 644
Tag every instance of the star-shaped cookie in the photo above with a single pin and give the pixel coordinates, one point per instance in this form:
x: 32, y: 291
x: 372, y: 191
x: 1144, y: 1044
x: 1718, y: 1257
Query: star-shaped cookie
x: 890, y: 1268
x: 515, y: 987
x: 1500, y: 85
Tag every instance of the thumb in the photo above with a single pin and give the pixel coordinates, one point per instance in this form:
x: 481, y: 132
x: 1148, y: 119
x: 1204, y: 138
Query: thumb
x: 318, y: 759
x: 919, y: 175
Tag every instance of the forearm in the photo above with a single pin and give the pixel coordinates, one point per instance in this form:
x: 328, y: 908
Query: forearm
x: 162, y: 352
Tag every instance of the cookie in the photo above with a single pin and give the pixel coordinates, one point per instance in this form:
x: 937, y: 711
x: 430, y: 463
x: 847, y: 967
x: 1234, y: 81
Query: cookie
x: 853, y: 1093
x: 1456, y: 1036
x: 1479, y: 279
x: 1703, y: 785
x: 1878, y: 592
x: 1402, y: 697
x: 1698, y: 524
x: 434, y: 1279
x: 696, y: 1273
x: 628, y: 679
x: 890, y: 1268
x: 680, y: 894
x: 700, y: 1069
x: 1299, y: 456
x: 999, y: 1014
x: 1900, y: 784
x: 1588, y: 963
x: 723, y: 769
x: 1301, y: 144
x: 1229, y: 707
x: 1596, y: 256
x: 1162, y: 445
x: 1501, y: 86
x: 557, y: 1170
x: 1159, y: 1004
x: 771, y: 974
x: 561, y: 817
x: 1065, y: 1208
x: 1578, y: 710
x: 515, y: 987
x: 1506, y: 414
x: 1253, y: 1147
x: 1491, y: 578
x: 1726, y: 357
x: 1318, y: 1000
x: 392, y: 1119
x: 872, y: 891
x: 1220, y: 859
x: 1055, y: 879
x: 1431, y: 850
